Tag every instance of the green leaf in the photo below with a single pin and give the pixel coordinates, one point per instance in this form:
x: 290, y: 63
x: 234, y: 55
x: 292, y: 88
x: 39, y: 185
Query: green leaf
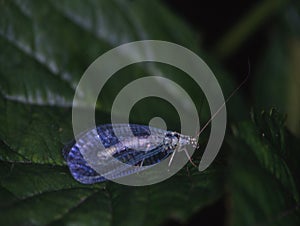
x: 45, y: 48
x: 47, y: 194
x: 31, y: 49
x: 262, y: 185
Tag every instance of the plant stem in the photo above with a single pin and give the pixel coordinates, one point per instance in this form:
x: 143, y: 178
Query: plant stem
x: 238, y: 34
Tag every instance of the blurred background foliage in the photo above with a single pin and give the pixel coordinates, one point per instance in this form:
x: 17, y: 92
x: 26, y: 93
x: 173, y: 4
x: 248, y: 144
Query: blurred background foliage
x: 47, y: 45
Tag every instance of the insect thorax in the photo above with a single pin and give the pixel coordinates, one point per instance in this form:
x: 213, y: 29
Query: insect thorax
x: 175, y: 140
x: 171, y: 140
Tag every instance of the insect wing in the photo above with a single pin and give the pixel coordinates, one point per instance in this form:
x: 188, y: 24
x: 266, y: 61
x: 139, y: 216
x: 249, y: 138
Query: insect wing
x: 130, y: 154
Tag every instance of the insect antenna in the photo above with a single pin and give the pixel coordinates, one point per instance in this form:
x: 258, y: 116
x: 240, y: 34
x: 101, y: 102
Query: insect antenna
x: 225, y: 102
x: 212, y: 117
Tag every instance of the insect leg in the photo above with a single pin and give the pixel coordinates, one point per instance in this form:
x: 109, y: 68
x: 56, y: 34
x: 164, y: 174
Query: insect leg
x: 142, y: 163
x: 187, y: 155
x: 171, y: 159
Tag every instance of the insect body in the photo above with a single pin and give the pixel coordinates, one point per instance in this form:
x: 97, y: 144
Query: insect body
x: 134, y: 145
